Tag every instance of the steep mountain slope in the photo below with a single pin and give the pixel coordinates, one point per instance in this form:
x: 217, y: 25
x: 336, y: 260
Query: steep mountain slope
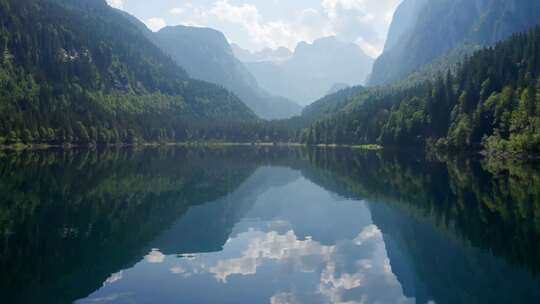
x: 491, y: 102
x: 337, y: 87
x: 422, y: 31
x: 80, y: 72
x: 206, y: 55
x: 313, y: 70
x: 403, y: 22
x: 330, y: 104
x: 447, y: 63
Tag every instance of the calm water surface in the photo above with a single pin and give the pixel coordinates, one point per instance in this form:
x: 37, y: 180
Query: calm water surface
x: 247, y: 225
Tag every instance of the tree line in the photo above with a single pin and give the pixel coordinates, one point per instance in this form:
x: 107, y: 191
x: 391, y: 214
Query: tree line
x: 492, y: 102
x: 75, y: 72
x: 80, y: 72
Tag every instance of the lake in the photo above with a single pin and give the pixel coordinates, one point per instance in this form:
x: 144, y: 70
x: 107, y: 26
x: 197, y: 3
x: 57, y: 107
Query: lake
x: 266, y: 225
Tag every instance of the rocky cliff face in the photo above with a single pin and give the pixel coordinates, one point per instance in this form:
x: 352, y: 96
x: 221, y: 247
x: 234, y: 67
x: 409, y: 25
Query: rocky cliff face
x: 422, y: 31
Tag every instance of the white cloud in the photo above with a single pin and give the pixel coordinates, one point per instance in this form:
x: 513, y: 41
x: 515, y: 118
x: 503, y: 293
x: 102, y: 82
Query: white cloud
x: 177, y: 270
x: 367, y: 234
x: 177, y: 11
x: 364, y: 22
x: 155, y: 256
x: 273, y: 246
x: 116, y: 3
x: 113, y: 278
x: 284, y: 298
x: 272, y: 33
x: 358, y: 268
x: 155, y: 24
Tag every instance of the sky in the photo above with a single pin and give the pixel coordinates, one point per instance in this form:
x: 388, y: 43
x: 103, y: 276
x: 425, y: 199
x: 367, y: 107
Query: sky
x: 259, y: 24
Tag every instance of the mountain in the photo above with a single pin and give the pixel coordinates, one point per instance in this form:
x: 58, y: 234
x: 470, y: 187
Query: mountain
x: 337, y: 87
x: 80, y: 72
x: 330, y: 103
x: 273, y: 55
x: 115, y: 190
x: 422, y: 31
x: 206, y: 55
x: 403, y: 22
x: 188, y: 236
x: 449, y: 62
x: 491, y: 103
x: 313, y: 69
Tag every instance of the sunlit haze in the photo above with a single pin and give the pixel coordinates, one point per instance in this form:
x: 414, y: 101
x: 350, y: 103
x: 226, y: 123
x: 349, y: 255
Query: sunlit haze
x: 258, y: 24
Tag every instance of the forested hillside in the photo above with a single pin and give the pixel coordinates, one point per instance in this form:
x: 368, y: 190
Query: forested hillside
x: 206, y: 55
x: 492, y: 102
x: 330, y: 103
x: 80, y: 72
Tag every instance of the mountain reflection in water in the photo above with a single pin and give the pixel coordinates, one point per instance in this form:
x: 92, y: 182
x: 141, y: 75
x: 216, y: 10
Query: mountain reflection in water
x: 273, y: 225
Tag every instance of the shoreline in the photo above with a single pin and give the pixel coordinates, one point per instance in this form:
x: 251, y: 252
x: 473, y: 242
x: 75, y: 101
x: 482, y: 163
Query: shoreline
x: 37, y: 147
x: 20, y: 147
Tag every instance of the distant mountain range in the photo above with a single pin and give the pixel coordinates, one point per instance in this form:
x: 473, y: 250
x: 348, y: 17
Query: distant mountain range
x: 311, y: 70
x: 206, y: 55
x: 422, y: 31
x: 273, y: 55
x: 82, y: 73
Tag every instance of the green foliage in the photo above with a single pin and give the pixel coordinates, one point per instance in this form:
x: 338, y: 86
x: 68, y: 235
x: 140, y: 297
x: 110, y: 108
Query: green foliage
x: 330, y: 103
x: 80, y: 72
x: 485, y: 203
x: 492, y: 101
x: 78, y: 211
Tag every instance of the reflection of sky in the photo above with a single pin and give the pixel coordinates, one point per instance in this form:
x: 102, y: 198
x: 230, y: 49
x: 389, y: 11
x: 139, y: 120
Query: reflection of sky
x: 298, y: 244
